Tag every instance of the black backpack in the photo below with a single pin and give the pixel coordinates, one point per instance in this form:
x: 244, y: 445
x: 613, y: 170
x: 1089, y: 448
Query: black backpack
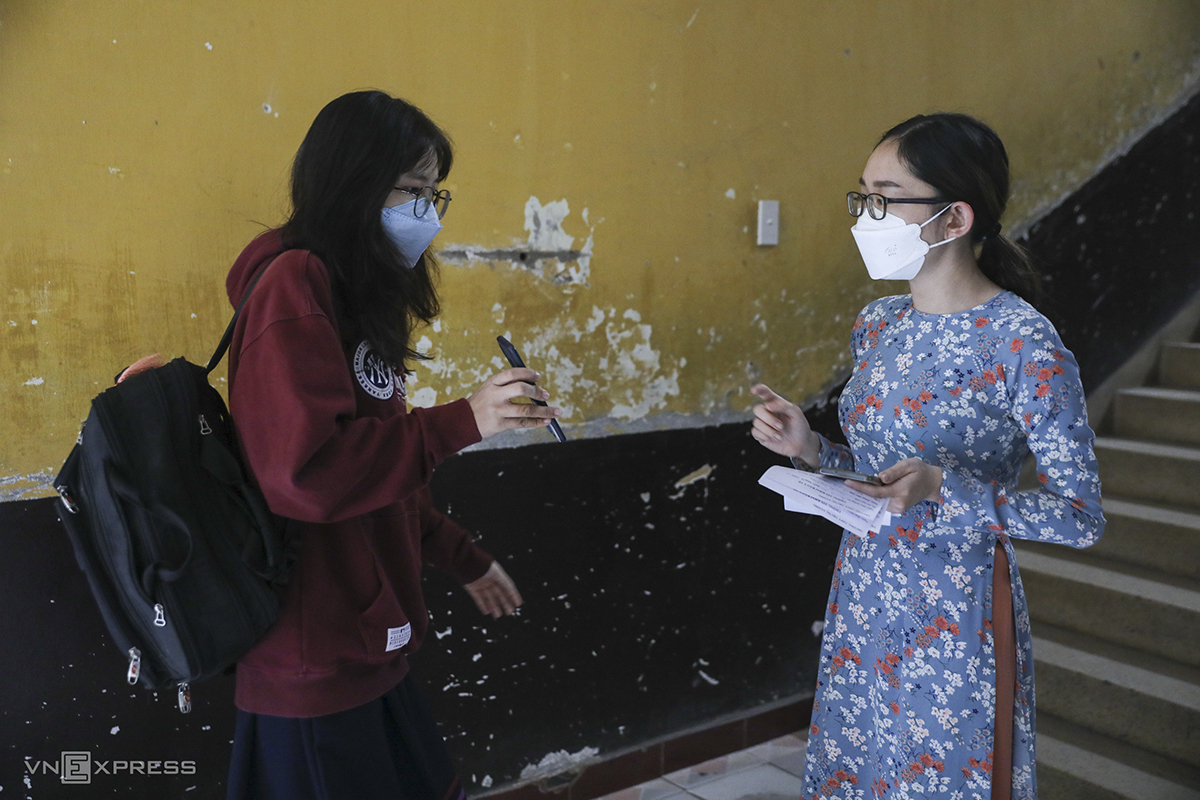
x: 179, y: 548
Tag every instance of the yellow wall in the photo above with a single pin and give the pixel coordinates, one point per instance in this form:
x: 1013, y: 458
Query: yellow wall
x: 142, y: 144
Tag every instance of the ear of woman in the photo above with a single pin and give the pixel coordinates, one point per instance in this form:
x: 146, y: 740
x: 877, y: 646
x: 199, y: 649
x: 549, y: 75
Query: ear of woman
x: 960, y: 218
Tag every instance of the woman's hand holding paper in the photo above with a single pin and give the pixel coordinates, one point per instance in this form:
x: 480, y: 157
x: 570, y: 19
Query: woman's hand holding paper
x: 905, y: 484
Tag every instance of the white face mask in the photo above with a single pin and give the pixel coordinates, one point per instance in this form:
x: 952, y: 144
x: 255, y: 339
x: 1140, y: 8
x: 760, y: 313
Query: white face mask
x: 411, y: 234
x: 891, y: 248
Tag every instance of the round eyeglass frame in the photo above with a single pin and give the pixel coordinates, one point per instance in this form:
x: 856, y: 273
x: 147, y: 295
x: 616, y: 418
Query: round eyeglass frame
x: 426, y: 196
x: 876, y: 204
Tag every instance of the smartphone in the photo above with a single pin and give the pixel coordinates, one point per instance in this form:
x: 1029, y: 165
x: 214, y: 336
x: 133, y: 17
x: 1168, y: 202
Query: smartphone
x: 514, y: 358
x: 846, y: 474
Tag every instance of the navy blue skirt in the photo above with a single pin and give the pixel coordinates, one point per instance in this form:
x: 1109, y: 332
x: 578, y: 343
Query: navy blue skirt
x: 388, y: 748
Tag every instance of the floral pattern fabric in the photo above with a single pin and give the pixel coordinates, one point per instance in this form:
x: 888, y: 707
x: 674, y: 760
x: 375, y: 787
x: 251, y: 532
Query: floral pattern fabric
x: 905, y: 700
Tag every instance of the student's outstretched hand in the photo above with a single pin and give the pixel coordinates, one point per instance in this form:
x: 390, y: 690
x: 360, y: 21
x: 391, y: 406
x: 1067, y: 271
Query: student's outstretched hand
x: 781, y: 427
x: 495, y: 593
x: 905, y: 484
x: 495, y: 410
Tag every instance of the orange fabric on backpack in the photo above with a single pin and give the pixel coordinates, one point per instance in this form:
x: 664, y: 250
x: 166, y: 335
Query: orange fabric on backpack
x: 141, y: 365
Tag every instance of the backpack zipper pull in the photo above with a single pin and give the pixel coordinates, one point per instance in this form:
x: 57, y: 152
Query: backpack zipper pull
x: 185, y: 698
x: 205, y: 430
x: 135, y: 666
x: 160, y: 618
x: 66, y: 499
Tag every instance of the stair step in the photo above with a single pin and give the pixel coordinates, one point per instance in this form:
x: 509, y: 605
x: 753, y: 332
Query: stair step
x: 1179, y: 365
x: 1120, y: 694
x: 1149, y: 471
x: 1162, y: 414
x: 1151, y: 536
x: 1154, y: 616
x: 1077, y: 764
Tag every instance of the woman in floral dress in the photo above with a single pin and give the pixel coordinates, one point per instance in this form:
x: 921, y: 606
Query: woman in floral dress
x: 925, y: 686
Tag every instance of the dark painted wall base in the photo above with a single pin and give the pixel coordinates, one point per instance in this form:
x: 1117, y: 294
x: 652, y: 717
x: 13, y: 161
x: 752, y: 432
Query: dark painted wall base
x: 650, y: 608
x: 64, y: 684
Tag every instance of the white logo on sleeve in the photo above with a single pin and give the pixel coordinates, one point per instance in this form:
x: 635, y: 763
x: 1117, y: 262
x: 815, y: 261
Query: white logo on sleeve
x: 374, y: 376
x: 398, y: 637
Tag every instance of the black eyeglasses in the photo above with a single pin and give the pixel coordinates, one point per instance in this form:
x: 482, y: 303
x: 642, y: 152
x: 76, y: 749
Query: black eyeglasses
x: 876, y: 204
x: 427, y: 196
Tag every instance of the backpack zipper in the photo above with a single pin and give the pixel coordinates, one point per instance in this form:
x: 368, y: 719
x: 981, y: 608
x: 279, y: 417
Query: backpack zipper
x: 184, y: 696
x: 66, y: 498
x: 164, y: 597
x: 135, y: 666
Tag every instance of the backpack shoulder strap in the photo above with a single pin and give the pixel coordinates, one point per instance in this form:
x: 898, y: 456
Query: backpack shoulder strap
x: 227, y: 338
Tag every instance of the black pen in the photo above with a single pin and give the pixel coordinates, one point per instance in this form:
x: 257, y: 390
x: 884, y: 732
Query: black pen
x: 514, y: 358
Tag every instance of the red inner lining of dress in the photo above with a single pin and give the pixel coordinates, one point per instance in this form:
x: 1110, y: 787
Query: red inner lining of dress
x: 1005, y: 641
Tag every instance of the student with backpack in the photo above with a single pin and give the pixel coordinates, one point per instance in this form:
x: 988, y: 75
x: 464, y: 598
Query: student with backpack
x: 326, y: 707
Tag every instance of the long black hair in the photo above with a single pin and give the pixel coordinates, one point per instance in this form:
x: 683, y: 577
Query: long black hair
x: 342, y: 174
x: 964, y: 160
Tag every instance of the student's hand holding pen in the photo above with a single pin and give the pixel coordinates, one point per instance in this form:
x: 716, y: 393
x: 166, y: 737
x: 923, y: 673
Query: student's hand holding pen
x: 495, y: 411
x: 781, y: 427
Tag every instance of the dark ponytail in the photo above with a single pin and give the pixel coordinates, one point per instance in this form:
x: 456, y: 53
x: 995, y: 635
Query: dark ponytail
x: 964, y: 160
x: 1009, y: 266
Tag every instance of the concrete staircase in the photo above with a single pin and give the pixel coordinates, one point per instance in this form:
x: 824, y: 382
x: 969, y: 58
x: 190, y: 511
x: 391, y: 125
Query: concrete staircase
x: 1117, y: 626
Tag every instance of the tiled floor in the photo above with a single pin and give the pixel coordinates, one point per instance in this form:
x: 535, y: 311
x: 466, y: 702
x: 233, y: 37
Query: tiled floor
x: 770, y: 771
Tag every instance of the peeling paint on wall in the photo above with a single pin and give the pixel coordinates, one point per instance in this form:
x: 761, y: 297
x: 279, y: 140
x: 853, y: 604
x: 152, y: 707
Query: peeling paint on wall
x: 606, y: 357
x: 26, y: 487
x: 549, y: 252
x: 609, y: 355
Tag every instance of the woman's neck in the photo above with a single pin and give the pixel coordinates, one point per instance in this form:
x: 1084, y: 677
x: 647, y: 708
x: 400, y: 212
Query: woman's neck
x: 951, y: 284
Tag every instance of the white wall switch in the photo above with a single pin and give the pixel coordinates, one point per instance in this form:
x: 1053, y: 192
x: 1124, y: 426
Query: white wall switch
x: 768, y: 222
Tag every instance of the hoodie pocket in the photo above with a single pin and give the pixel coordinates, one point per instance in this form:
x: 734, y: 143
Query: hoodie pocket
x: 384, y: 627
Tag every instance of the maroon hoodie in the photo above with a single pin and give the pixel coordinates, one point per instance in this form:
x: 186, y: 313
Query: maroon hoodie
x: 330, y: 441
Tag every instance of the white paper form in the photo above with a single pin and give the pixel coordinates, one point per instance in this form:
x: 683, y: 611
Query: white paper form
x: 810, y: 493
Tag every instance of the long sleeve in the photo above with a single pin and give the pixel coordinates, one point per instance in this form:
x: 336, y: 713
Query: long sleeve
x: 447, y: 546
x: 837, y: 456
x: 316, y: 458
x: 864, y: 334
x: 1048, y: 407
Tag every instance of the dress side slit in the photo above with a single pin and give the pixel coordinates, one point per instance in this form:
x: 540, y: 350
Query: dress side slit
x: 1004, y: 638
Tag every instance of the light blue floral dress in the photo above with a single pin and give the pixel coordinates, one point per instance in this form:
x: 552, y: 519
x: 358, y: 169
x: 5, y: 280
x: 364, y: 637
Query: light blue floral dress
x: 905, y: 700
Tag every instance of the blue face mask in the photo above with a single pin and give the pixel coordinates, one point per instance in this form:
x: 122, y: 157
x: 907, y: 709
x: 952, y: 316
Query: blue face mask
x: 411, y: 234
